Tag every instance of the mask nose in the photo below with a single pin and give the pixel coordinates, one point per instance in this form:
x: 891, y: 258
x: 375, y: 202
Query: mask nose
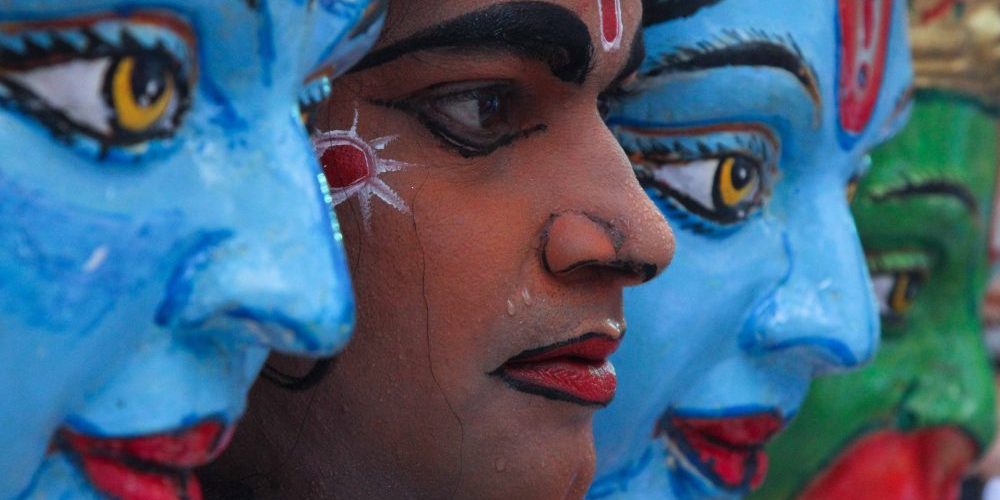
x: 823, y: 311
x: 277, y: 277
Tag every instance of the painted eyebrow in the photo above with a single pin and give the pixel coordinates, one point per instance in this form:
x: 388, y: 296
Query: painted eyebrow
x: 767, y: 51
x: 542, y: 31
x: 934, y: 187
x: 659, y: 11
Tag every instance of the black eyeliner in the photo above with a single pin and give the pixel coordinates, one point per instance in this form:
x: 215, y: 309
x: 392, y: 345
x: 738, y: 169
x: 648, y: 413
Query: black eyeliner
x: 448, y: 138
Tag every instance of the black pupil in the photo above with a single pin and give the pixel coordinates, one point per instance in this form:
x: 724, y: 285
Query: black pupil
x: 912, y: 287
x: 149, y: 78
x: 742, y: 174
x: 489, y: 109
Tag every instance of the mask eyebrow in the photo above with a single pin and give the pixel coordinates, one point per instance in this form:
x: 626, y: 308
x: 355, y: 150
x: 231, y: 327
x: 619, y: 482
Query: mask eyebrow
x: 762, y: 50
x: 542, y: 31
x: 659, y: 11
x: 932, y: 187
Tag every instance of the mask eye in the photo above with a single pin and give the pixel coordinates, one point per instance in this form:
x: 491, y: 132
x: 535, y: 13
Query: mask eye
x: 896, y: 292
x: 724, y: 189
x: 123, y: 89
x: 143, y: 94
x: 852, y: 190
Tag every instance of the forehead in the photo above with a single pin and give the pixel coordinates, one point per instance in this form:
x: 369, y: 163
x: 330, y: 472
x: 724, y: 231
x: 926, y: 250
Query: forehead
x: 857, y: 52
x: 808, y: 24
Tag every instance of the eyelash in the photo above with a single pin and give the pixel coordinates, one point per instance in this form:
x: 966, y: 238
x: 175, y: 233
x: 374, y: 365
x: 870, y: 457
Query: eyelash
x: 422, y: 105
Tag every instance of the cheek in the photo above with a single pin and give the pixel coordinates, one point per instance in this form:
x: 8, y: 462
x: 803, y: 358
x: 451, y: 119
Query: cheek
x: 471, y: 257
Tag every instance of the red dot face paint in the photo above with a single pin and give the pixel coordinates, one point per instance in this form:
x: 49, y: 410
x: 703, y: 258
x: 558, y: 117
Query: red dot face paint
x: 352, y: 166
x: 612, y: 25
x: 345, y: 165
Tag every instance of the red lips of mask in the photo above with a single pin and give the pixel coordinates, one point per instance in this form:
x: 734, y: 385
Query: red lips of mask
x: 924, y: 465
x: 156, y: 467
x: 728, y: 450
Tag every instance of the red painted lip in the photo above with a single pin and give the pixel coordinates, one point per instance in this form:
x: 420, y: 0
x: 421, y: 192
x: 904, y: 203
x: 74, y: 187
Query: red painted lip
x: 728, y: 450
x: 157, y: 466
x: 924, y: 465
x: 575, y: 370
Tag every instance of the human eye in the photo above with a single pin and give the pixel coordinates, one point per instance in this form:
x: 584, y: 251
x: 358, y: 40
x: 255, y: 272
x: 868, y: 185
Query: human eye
x: 473, y: 118
x: 110, y: 87
x: 722, y: 180
x: 897, y: 279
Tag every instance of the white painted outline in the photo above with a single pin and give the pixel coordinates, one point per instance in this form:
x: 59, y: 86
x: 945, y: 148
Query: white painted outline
x: 371, y: 185
x: 617, y: 42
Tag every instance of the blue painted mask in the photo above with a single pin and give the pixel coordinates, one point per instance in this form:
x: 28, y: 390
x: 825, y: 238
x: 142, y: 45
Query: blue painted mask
x: 747, y: 125
x: 162, y: 227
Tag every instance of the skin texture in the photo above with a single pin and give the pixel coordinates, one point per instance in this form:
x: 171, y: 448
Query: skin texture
x: 933, y: 371
x: 769, y: 289
x: 151, y: 253
x: 498, y: 253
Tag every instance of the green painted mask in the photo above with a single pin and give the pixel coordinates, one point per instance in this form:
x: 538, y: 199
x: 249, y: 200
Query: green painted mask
x: 910, y: 424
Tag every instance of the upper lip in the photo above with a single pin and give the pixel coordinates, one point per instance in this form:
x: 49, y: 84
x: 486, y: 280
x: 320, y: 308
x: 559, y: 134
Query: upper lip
x: 593, y: 346
x: 183, y: 449
x: 749, y: 431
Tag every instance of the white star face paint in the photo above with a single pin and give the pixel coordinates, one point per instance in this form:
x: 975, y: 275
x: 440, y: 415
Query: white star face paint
x: 352, y: 167
x: 612, y: 26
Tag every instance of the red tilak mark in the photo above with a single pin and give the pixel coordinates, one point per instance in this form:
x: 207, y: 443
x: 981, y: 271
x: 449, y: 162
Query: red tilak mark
x: 611, y: 23
x: 864, y: 41
x: 345, y: 165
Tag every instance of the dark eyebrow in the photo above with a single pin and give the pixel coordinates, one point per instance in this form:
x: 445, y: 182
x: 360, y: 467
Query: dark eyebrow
x: 767, y: 51
x: 936, y: 187
x: 658, y: 11
x: 542, y: 31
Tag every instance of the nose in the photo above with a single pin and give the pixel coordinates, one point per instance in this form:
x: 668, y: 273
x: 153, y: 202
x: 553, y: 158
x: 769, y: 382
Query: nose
x: 823, y: 312
x: 576, y: 244
x: 615, y: 232
x: 277, y: 277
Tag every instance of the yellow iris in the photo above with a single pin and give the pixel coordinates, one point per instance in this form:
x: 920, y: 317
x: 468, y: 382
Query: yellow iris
x: 852, y: 190
x: 900, y: 301
x: 133, y: 115
x: 732, y: 195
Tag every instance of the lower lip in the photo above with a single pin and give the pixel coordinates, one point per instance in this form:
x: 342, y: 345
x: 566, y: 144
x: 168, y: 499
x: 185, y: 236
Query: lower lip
x: 156, y: 466
x: 927, y: 464
x: 729, y: 451
x: 588, y: 383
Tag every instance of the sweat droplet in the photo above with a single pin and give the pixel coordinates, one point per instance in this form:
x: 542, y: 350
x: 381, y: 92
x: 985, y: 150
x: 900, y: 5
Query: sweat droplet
x: 526, y: 296
x: 500, y: 464
x: 510, y: 307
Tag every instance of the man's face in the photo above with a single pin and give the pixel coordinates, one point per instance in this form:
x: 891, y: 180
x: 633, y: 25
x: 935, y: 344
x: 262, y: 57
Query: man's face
x: 162, y: 226
x: 747, y: 124
x: 926, y: 404
x: 491, y: 222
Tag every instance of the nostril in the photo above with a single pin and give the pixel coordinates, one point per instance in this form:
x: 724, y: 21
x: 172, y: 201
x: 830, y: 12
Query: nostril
x: 648, y: 271
x: 575, y: 241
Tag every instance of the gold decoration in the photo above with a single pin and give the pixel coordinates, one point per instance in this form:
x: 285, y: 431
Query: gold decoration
x: 956, y: 47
